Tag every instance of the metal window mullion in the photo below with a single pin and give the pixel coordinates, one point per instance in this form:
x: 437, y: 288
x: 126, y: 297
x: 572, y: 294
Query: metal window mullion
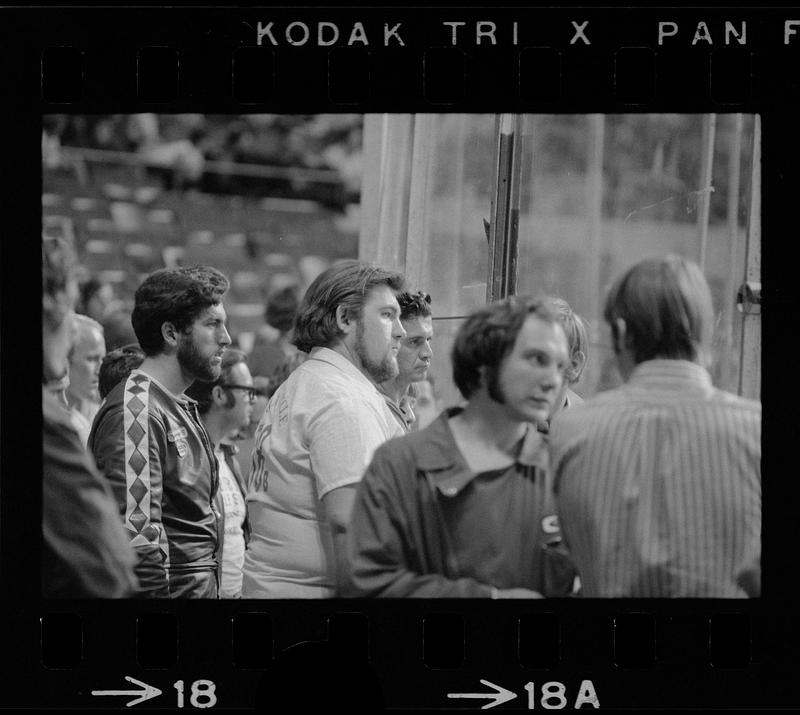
x: 504, y: 219
x: 750, y: 355
x: 729, y: 380
x: 511, y: 258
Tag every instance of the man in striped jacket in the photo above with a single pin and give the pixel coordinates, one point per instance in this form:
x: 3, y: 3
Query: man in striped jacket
x: 149, y: 441
x: 658, y: 483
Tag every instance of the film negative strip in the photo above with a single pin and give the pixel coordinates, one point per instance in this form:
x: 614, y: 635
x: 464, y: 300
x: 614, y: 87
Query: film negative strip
x: 575, y: 71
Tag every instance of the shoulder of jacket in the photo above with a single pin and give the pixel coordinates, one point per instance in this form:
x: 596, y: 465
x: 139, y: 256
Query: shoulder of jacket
x: 735, y: 401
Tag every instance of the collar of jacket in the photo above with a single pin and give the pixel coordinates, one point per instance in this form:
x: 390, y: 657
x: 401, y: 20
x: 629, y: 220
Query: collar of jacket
x: 229, y: 448
x: 438, y: 455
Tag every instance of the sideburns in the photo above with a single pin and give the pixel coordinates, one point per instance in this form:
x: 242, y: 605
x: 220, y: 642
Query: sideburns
x: 492, y: 376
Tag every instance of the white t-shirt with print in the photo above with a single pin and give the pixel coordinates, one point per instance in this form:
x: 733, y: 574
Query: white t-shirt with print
x: 318, y: 433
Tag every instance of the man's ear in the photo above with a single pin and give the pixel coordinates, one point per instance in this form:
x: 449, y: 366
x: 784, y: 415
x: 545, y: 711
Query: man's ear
x: 218, y: 396
x: 169, y: 333
x: 343, y: 320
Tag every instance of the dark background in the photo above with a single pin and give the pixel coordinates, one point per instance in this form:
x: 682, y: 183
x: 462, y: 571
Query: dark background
x: 757, y: 655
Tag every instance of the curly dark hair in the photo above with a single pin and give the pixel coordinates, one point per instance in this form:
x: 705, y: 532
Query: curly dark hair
x: 117, y: 365
x: 346, y: 284
x: 488, y: 336
x: 414, y: 304
x: 177, y: 296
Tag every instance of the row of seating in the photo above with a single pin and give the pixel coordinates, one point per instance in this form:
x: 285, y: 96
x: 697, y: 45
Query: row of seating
x: 123, y: 232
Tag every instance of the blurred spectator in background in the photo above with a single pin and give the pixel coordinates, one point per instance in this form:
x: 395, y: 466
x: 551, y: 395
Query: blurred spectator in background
x: 96, y: 298
x: 273, y: 347
x: 85, y: 357
x: 85, y: 553
x: 578, y: 342
x: 423, y: 395
x: 116, y: 366
x: 414, y: 357
x: 177, y: 157
x: 225, y: 406
x: 118, y: 330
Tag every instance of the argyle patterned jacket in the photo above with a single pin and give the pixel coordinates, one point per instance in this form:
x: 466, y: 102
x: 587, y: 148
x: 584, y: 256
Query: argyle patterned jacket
x: 158, y: 458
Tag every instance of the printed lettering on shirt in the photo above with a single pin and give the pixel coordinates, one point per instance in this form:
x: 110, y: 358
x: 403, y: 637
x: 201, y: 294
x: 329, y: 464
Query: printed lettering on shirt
x: 283, y: 411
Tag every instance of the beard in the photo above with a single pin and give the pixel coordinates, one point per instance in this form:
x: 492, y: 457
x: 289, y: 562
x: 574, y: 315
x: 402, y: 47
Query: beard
x: 194, y: 364
x: 379, y: 370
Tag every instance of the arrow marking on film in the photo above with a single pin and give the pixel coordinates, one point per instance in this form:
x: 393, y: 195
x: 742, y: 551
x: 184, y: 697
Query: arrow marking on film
x: 500, y: 696
x: 146, y: 692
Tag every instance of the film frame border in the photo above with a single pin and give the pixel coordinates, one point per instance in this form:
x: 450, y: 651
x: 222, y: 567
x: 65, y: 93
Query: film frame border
x: 774, y: 91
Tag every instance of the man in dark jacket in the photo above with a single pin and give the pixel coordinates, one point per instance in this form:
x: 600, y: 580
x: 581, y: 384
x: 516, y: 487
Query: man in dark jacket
x: 463, y: 508
x: 85, y: 553
x: 149, y: 441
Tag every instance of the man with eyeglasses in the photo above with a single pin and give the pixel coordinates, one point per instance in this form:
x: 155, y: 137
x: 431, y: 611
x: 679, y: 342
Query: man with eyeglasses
x: 413, y: 358
x: 225, y: 406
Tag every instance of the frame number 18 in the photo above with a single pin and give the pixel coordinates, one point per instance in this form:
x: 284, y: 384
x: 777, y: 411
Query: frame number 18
x: 201, y: 695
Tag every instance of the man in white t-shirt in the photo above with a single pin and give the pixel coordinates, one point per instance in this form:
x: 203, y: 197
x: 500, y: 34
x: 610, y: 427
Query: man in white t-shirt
x: 225, y: 406
x: 320, y: 430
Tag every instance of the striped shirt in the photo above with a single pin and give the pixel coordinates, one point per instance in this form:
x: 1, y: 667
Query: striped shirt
x: 658, y: 487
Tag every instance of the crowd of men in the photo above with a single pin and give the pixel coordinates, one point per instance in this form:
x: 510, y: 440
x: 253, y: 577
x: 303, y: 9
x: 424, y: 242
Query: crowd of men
x: 521, y: 491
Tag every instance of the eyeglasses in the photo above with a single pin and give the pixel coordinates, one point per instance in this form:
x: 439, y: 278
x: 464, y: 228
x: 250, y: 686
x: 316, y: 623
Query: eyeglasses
x: 252, y: 393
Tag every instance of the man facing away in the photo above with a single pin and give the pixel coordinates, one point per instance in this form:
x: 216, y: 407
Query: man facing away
x: 319, y: 432
x: 658, y: 482
x: 148, y: 439
x: 225, y: 406
x: 414, y: 357
x: 462, y: 508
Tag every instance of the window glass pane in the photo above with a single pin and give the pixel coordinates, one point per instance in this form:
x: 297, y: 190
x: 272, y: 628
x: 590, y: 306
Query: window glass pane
x: 441, y: 372
x: 454, y: 247
x: 600, y: 192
